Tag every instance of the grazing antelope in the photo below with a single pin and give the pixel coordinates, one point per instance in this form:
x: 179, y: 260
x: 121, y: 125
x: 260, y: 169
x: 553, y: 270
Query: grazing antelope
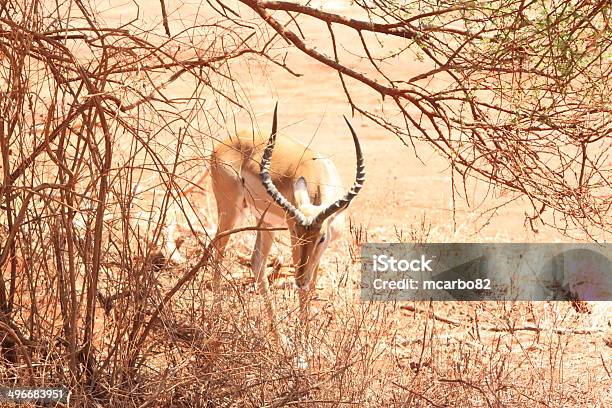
x: 283, y: 183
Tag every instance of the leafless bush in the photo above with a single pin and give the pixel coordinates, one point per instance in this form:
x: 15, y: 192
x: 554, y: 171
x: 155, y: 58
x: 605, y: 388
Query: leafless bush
x: 513, y: 93
x: 87, y: 183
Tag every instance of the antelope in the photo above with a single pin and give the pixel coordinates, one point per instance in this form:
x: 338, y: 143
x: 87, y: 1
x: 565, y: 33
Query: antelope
x: 283, y: 183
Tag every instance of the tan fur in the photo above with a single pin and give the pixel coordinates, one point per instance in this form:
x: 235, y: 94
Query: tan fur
x: 235, y: 167
x: 237, y: 186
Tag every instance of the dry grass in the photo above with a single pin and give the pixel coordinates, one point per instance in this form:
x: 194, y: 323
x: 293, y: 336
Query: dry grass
x: 380, y: 354
x: 200, y: 354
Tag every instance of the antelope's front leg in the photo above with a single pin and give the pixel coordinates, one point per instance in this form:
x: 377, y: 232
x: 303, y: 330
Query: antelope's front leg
x: 263, y: 244
x: 303, y: 284
x: 306, y: 294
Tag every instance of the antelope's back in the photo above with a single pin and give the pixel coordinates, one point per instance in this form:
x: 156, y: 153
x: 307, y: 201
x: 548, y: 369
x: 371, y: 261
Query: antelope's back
x: 290, y: 161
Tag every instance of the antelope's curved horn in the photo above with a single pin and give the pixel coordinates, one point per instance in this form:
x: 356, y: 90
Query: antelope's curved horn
x: 359, y: 180
x: 267, y: 180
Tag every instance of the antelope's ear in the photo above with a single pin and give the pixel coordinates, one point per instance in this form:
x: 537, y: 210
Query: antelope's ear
x: 300, y: 192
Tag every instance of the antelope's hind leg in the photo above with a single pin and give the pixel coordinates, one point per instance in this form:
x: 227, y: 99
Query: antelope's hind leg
x: 263, y: 244
x: 229, y: 195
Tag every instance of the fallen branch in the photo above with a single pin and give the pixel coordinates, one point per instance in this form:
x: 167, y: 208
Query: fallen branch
x: 538, y: 329
x: 532, y: 328
x: 431, y: 314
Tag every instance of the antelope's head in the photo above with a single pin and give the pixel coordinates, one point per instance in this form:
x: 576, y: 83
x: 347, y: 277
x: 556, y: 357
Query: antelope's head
x: 312, y: 223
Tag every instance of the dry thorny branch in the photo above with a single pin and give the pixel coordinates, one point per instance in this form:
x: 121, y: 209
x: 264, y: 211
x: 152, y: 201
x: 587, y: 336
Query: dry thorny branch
x: 525, y: 100
x: 81, y: 111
